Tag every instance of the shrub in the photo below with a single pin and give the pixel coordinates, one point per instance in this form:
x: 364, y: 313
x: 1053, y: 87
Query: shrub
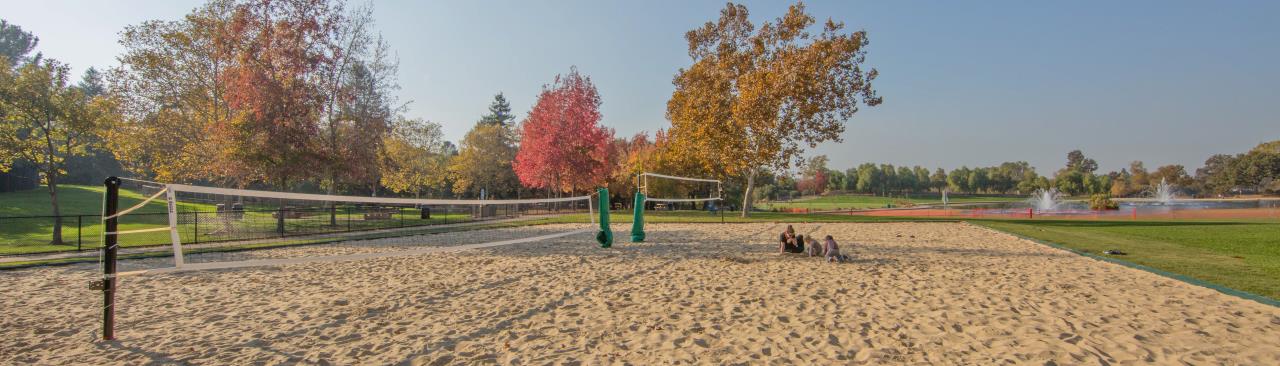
x: 1102, y: 202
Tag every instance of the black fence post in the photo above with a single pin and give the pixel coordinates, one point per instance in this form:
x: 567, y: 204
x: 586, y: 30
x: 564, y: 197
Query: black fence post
x: 348, y: 219
x: 109, y: 259
x: 196, y: 235
x: 280, y: 220
x: 79, y: 229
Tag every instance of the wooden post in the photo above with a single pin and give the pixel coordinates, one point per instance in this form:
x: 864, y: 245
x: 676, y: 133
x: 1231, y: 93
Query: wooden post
x: 109, y: 248
x: 1031, y: 213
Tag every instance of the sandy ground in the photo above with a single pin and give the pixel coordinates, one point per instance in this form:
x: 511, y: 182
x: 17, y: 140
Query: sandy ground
x: 942, y: 293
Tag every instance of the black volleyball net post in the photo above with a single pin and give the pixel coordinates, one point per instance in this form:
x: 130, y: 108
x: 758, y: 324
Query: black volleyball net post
x: 109, y: 247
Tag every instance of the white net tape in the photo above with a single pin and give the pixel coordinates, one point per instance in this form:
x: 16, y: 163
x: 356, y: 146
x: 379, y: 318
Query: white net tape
x: 680, y: 178
x: 360, y: 199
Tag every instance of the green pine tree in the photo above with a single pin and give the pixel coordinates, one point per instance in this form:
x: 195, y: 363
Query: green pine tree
x: 499, y: 112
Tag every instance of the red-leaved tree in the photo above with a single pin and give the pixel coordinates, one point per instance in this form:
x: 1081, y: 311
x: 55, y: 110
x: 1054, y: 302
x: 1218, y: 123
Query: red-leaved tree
x: 275, y: 48
x: 563, y: 147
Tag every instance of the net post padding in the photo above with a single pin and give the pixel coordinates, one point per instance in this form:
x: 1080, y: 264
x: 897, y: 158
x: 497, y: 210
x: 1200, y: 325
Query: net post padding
x: 605, y: 235
x: 637, y: 219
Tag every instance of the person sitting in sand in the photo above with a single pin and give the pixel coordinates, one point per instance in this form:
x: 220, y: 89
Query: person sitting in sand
x: 831, y: 251
x: 789, y: 242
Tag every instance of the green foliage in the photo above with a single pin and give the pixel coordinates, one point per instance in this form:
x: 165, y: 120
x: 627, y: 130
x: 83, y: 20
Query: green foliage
x: 15, y: 44
x: 1077, y: 162
x: 499, y: 112
x: 45, y: 121
x: 1071, y: 182
x: 1255, y: 169
x: 851, y: 201
x: 484, y: 162
x: 413, y: 157
x: 1217, y: 175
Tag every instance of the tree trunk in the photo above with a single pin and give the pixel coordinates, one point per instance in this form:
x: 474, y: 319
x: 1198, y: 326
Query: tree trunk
x: 57, y: 214
x: 746, y: 194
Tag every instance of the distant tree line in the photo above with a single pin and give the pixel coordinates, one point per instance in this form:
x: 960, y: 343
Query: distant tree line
x: 1255, y: 171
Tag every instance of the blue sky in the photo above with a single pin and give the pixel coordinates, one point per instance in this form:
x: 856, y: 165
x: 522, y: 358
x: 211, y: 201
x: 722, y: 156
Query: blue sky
x: 1166, y: 82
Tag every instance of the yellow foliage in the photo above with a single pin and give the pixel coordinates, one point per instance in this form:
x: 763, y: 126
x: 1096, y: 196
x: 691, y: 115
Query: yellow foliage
x: 756, y: 98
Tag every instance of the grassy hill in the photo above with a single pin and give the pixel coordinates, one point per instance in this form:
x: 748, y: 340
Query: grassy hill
x: 73, y: 199
x: 80, y: 207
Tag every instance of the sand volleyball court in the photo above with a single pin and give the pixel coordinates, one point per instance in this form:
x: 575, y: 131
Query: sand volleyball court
x: 943, y: 293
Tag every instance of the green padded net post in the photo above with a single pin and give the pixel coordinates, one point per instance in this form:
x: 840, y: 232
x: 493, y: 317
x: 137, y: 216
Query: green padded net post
x: 637, y: 221
x: 605, y: 236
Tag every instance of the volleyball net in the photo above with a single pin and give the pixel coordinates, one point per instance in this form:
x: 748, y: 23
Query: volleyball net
x: 656, y: 193
x: 178, y: 227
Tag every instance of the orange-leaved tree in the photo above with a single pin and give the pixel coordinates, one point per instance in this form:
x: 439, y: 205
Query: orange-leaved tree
x: 755, y: 98
x: 277, y: 49
x: 563, y: 147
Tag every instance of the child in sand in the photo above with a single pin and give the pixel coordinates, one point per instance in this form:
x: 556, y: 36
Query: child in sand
x: 814, y: 249
x: 831, y: 251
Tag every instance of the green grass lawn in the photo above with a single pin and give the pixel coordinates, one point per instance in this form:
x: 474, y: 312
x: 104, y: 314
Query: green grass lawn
x: 1240, y: 255
x: 833, y: 202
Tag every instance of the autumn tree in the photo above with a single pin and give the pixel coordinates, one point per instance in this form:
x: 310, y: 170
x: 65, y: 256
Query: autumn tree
x: 414, y: 158
x: 756, y: 97
x: 813, y: 178
x: 485, y: 162
x: 45, y: 121
x: 240, y: 91
x: 359, y: 108
x: 1172, y: 174
x: 171, y: 92
x: 563, y: 147
x: 277, y: 50
x: 364, y: 122
x: 631, y: 156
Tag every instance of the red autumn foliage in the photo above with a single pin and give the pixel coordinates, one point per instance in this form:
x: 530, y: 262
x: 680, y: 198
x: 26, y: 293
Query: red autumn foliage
x: 817, y: 184
x: 275, y: 48
x: 563, y: 147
